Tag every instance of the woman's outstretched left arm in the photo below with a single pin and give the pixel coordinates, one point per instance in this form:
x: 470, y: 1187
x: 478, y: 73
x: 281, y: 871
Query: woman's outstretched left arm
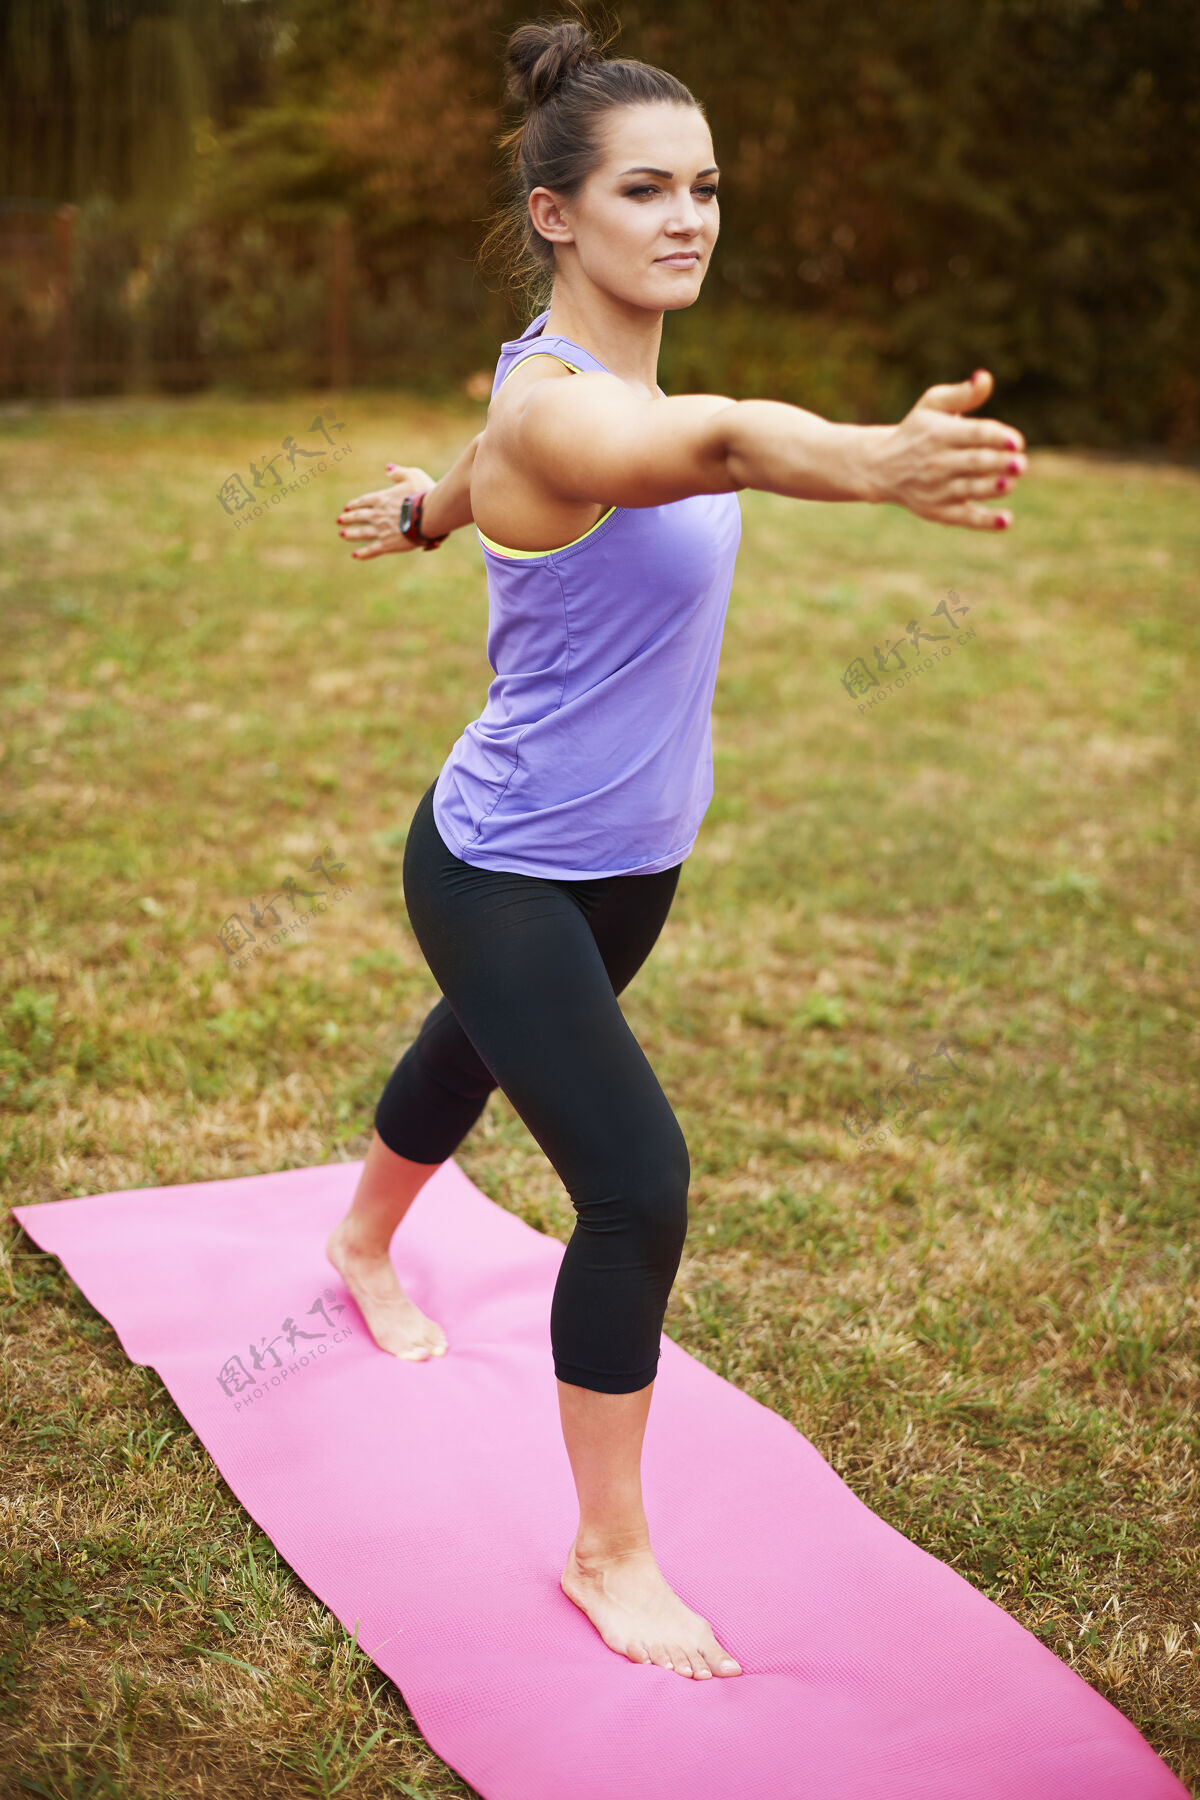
x: 938, y: 463
x: 593, y: 439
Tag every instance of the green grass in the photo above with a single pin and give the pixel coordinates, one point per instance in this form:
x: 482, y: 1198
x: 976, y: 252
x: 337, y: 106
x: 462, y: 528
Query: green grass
x: 984, y: 1314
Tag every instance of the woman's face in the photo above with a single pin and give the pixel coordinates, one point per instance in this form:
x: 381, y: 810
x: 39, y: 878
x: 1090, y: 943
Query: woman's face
x: 653, y: 196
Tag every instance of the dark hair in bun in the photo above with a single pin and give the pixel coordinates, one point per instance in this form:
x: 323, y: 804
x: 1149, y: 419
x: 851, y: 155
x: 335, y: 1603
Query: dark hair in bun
x: 557, y: 73
x: 540, y: 56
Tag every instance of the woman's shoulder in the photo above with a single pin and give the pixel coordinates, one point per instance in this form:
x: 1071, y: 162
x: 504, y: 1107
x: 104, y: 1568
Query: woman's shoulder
x: 505, y: 405
x: 507, y: 503
x: 536, y: 363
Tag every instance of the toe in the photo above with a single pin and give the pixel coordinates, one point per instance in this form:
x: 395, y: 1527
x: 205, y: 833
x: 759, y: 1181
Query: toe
x: 661, y: 1655
x: 681, y: 1662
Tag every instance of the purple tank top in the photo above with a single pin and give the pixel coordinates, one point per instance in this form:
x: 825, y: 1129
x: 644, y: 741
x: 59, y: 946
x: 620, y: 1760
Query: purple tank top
x: 593, y: 753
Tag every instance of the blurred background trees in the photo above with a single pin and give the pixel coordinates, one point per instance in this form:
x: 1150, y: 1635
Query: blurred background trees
x: 909, y: 191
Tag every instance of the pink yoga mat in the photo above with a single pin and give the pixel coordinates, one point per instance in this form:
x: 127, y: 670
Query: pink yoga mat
x: 431, y: 1505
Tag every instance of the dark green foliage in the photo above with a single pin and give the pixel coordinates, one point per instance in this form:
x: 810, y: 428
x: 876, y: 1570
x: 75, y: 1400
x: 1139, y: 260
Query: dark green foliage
x: 910, y: 190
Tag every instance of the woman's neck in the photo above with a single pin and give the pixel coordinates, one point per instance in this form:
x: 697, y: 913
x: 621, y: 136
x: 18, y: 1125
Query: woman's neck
x: 625, y: 340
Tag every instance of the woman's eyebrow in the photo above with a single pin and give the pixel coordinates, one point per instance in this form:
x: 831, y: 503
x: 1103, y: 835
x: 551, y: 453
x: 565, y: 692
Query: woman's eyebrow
x: 666, y: 173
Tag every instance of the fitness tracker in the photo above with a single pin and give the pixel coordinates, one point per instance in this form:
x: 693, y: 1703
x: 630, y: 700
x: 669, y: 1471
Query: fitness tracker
x: 410, y: 523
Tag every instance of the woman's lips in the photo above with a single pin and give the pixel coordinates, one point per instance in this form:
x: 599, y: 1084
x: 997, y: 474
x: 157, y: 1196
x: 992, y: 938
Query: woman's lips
x: 682, y: 260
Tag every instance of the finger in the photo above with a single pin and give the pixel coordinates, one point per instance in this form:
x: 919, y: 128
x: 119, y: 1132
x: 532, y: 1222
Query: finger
x: 988, y: 434
x: 982, y: 487
x: 984, y: 472
x: 969, y: 513
x: 978, y: 518
x: 415, y: 476
x: 962, y: 434
x: 992, y: 485
x: 986, y: 488
x: 367, y: 509
x: 368, y: 502
x: 959, y: 396
x: 991, y: 460
x: 388, y: 545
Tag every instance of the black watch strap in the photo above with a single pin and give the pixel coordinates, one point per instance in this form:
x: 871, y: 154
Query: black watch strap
x: 410, y: 523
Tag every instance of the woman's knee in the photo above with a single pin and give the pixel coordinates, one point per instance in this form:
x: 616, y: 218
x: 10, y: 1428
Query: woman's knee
x: 661, y: 1220
x: 649, y: 1203
x: 448, y: 1056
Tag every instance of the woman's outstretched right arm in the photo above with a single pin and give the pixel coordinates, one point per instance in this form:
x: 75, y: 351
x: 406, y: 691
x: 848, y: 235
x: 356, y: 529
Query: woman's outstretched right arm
x: 593, y: 438
x: 376, y: 516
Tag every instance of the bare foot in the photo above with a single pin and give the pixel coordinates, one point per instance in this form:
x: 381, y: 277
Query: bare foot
x: 393, y: 1320
x: 637, y: 1613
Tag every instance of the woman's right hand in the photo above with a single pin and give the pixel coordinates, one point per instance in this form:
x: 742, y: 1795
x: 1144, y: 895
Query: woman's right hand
x: 376, y: 517
x: 942, y: 466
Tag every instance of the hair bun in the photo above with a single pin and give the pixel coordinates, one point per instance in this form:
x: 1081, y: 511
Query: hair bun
x: 541, y: 55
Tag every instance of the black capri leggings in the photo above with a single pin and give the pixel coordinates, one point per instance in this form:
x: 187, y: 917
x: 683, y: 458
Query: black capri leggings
x: 530, y: 970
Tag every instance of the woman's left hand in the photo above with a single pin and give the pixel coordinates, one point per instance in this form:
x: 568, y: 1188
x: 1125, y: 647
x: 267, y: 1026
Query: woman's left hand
x: 376, y: 517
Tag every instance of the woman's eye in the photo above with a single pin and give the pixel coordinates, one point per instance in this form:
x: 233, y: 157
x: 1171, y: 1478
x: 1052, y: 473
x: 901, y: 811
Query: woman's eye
x: 633, y: 193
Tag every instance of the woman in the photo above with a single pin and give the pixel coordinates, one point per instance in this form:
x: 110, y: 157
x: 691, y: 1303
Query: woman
x: 541, y: 864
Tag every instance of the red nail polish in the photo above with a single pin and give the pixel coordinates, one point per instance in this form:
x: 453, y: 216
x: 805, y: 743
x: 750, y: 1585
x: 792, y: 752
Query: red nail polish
x: 1010, y: 443
x: 1001, y: 522
x: 1014, y: 468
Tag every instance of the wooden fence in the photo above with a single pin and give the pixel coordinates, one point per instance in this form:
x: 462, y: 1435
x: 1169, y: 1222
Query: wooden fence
x: 43, y: 293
